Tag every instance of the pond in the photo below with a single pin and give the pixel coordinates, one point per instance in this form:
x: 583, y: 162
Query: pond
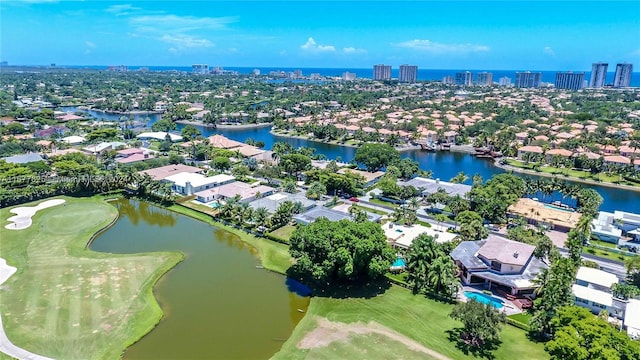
x: 218, y: 303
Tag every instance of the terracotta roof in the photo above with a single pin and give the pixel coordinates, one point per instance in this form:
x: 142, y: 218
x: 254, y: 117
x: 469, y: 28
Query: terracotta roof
x: 532, y: 149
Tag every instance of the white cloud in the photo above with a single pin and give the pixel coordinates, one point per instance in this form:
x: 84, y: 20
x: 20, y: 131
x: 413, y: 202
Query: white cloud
x: 175, y: 23
x: 440, y: 48
x: 352, y: 50
x: 90, y: 44
x: 186, y: 41
x: 312, y: 46
x: 635, y: 53
x: 549, y: 51
x: 122, y: 10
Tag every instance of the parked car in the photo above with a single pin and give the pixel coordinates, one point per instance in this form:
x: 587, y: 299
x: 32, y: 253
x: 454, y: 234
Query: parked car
x: 354, y: 199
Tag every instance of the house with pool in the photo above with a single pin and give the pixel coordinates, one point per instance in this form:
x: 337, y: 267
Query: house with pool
x: 499, y: 264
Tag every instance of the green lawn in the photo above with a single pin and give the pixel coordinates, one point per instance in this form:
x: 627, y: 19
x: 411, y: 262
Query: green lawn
x: 368, y: 209
x: 284, y: 233
x: 603, y: 243
x: 382, y: 202
x: 605, y: 253
x: 67, y: 302
x: 423, y: 320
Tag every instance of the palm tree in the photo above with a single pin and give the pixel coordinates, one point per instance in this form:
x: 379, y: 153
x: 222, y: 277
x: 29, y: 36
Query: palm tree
x: 443, y: 275
x: 421, y: 254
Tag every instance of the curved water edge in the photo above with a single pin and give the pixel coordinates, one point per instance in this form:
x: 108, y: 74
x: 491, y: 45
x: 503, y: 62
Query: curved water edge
x: 444, y: 164
x: 208, y: 296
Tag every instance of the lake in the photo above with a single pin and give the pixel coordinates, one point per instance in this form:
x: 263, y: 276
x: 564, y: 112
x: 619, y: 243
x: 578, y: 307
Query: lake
x: 217, y: 303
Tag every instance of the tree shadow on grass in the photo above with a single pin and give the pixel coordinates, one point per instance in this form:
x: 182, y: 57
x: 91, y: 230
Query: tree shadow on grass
x: 339, y: 290
x: 484, y: 351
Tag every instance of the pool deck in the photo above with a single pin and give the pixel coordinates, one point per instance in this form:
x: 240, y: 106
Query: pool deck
x: 509, y: 307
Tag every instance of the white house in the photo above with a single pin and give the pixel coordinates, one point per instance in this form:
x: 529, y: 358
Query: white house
x: 611, y: 226
x: 185, y: 183
x: 245, y: 191
x: 158, y: 135
x: 593, y: 291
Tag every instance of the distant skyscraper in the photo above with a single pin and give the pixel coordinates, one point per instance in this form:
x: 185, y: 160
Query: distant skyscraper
x: 381, y: 72
x: 408, y: 73
x: 623, y: 75
x: 348, y: 76
x: 464, y: 78
x: 200, y: 68
x: 505, y: 81
x: 528, y: 79
x: 448, y: 80
x: 598, y: 75
x: 484, y: 79
x: 569, y: 80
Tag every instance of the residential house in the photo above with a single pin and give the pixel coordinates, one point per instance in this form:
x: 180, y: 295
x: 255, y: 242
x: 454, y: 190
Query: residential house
x: 531, y: 149
x: 592, y: 290
x: 272, y: 202
x: 370, y: 178
x: 430, y: 186
x: 158, y: 135
x: 611, y: 226
x: 23, y: 158
x: 160, y: 173
x: 50, y: 131
x: 245, y: 191
x: 131, y: 155
x: 315, y: 213
x: 222, y: 142
x: 187, y: 183
x: 497, y: 263
x: 402, y: 236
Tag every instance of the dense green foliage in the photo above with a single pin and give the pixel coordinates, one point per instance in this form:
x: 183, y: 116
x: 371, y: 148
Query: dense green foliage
x: 376, y: 156
x: 340, y: 251
x: 431, y: 269
x: 482, y: 322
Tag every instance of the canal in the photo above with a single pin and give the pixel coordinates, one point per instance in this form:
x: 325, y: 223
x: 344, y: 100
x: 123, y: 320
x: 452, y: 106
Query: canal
x: 217, y: 303
x: 444, y: 165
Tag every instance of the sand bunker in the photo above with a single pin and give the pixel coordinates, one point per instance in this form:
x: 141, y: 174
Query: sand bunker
x: 22, y: 219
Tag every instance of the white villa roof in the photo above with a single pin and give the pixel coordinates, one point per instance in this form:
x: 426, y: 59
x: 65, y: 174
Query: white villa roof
x: 596, y: 276
x: 197, y: 180
x: 159, y: 135
x: 632, y: 318
x: 73, y: 139
x: 403, y: 236
x: 593, y: 295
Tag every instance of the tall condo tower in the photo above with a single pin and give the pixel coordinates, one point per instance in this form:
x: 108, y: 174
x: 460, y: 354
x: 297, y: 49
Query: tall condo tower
x: 569, y: 80
x: 623, y: 75
x: 528, y: 79
x: 408, y: 73
x: 484, y: 79
x: 598, y: 75
x: 464, y: 78
x: 381, y: 72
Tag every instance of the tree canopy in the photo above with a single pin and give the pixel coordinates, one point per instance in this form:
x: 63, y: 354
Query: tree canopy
x: 376, y: 156
x: 340, y: 251
x: 482, y: 322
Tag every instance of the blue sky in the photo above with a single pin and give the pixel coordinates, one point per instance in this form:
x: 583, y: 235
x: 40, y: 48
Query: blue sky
x: 533, y: 35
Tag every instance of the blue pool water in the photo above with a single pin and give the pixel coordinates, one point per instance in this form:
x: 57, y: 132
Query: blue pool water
x: 485, y: 299
x: 399, y: 263
x: 557, y: 208
x: 214, y: 205
x: 398, y: 230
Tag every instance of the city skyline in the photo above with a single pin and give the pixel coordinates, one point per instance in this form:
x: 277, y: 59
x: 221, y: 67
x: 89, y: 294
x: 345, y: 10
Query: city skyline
x: 312, y: 34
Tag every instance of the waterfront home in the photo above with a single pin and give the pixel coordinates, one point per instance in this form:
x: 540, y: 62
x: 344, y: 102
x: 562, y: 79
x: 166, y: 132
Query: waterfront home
x: 550, y: 216
x: 529, y: 149
x: 187, y: 183
x: 564, y: 153
x: 160, y: 173
x: 592, y: 290
x: 245, y: 191
x: 613, y: 161
x: 222, y: 142
x: 402, y: 236
x: 68, y: 117
x: 610, y: 227
x: 272, y: 202
x: 158, y: 135
x: 450, y: 137
x: 497, y: 263
x: 430, y: 186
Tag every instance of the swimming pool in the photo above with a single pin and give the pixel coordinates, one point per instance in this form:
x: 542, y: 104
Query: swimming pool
x: 399, y: 263
x: 485, y: 299
x: 548, y: 206
x: 214, y: 205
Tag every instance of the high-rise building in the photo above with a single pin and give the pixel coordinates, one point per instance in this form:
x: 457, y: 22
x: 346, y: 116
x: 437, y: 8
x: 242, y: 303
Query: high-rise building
x: 448, y: 80
x: 484, y: 79
x: 569, y: 80
x: 408, y: 73
x: 504, y: 81
x: 381, y: 72
x: 200, y: 68
x: 622, y: 77
x: 598, y: 75
x: 464, y: 78
x: 528, y: 79
x: 348, y: 76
